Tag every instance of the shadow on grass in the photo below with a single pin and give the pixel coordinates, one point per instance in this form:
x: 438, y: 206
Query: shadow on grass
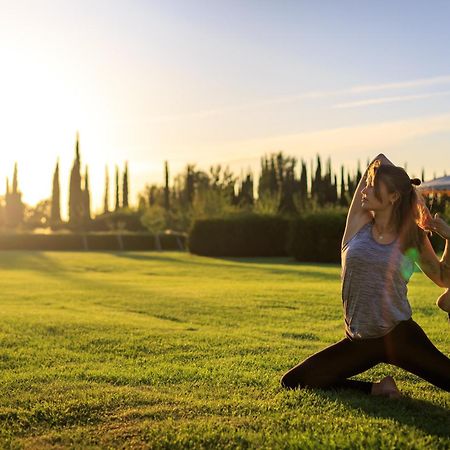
x: 426, y: 416
x: 254, y: 263
x: 28, y: 260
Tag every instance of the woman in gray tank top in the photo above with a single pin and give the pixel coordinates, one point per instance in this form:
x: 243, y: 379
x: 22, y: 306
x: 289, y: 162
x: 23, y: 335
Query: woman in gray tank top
x: 385, y: 235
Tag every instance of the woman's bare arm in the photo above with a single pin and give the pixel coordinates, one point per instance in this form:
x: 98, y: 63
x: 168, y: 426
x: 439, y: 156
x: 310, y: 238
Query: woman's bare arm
x: 357, y: 216
x: 437, y: 270
x: 355, y: 206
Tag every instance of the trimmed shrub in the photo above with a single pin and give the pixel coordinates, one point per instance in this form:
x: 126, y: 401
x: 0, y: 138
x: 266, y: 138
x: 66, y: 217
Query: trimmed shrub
x: 41, y: 242
x: 249, y: 235
x: 91, y: 241
x: 139, y: 241
x: 99, y: 241
x: 317, y: 237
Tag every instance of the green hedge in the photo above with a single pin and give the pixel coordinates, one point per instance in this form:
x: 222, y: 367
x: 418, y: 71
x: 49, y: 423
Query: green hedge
x: 91, y: 241
x: 313, y: 237
x: 317, y: 237
x: 251, y: 235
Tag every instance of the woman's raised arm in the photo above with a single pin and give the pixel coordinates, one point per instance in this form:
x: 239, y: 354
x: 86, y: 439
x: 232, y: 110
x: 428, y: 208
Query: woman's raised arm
x: 357, y: 216
x: 355, y: 206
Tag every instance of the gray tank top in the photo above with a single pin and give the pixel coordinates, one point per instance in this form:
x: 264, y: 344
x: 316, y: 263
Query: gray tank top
x: 374, y: 280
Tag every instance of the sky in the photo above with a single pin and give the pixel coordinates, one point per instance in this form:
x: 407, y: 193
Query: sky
x: 219, y: 82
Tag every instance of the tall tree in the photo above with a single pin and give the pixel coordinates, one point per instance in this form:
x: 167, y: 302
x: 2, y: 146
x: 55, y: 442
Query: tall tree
x: 106, y: 197
x: 166, y: 187
x: 14, y: 208
x: 287, y: 179
x: 334, y: 197
x: 327, y: 185
x: 75, y: 191
x: 318, y: 192
x: 264, y: 178
x: 117, y: 206
x: 303, y: 185
x: 152, y: 193
x: 350, y: 186
x: 125, y: 187
x: 273, y: 176
x: 55, y: 212
x: 358, y: 174
x: 343, y: 197
x: 15, y: 181
x: 190, y: 184
x: 245, y: 191
x: 86, y: 198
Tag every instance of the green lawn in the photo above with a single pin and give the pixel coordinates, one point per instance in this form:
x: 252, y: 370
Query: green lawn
x: 172, y: 350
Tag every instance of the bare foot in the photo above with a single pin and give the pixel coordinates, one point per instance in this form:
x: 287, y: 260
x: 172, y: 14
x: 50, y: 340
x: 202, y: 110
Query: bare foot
x: 386, y: 388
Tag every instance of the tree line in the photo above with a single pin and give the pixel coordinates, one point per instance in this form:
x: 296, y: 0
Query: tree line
x: 194, y: 193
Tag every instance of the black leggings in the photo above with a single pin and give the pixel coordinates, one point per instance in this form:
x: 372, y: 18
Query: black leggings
x: 406, y: 346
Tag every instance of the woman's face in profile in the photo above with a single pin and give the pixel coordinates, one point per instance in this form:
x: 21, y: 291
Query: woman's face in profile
x: 369, y: 201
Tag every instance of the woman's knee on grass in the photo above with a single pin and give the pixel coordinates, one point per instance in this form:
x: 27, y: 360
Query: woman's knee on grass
x: 298, y: 378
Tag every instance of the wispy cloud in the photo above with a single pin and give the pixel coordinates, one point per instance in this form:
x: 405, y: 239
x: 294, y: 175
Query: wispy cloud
x: 382, y: 100
x: 421, y: 82
x: 354, y: 90
x: 351, y: 142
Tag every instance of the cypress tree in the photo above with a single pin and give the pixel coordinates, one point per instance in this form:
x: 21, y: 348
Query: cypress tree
x: 343, y: 199
x: 358, y: 174
x: 14, y: 208
x: 303, y: 185
x: 335, y: 190
x: 166, y: 188
x: 264, y: 178
x: 15, y: 182
x: 350, y: 186
x: 273, y: 176
x: 190, y: 184
x: 106, y: 198
x: 245, y: 194
x: 117, y: 207
x: 86, y: 198
x: 286, y: 203
x: 318, y: 185
x: 75, y: 192
x: 327, y: 185
x: 125, y: 187
x: 55, y: 214
x: 152, y: 195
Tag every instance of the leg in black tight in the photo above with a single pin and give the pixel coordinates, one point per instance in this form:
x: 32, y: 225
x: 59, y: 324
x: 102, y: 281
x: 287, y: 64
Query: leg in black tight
x: 406, y: 346
x: 410, y: 348
x: 330, y: 367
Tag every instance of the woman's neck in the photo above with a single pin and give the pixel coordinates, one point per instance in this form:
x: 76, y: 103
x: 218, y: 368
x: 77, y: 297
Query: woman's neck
x: 383, y: 222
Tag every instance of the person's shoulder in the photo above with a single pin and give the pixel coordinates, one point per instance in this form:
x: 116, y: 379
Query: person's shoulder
x: 354, y: 226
